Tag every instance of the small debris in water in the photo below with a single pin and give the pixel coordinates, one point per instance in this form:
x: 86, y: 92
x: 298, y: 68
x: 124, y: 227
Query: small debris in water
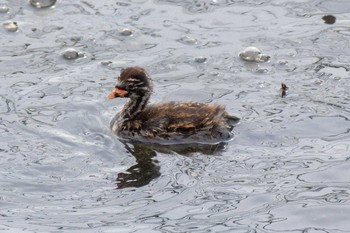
x: 284, y: 89
x: 126, y: 32
x: 253, y: 54
x: 11, y: 26
x: 264, y: 58
x: 4, y: 8
x: 329, y: 19
x: 200, y: 59
x: 42, y: 3
x: 70, y: 54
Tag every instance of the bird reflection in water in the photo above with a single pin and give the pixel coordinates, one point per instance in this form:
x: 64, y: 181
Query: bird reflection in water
x: 147, y: 168
x: 150, y: 126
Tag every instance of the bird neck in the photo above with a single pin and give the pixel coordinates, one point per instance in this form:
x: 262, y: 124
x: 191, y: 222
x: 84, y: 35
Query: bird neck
x: 134, y: 106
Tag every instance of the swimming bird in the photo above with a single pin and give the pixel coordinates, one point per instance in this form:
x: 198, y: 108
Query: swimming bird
x: 166, y: 123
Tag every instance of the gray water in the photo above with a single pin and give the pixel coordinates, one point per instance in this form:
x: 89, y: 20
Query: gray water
x: 287, y: 169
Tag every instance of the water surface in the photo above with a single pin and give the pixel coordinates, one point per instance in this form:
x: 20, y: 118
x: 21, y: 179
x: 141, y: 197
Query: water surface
x: 287, y: 169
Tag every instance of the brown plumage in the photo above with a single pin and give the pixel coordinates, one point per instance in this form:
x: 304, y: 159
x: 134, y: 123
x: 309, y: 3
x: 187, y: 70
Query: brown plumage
x: 168, y: 123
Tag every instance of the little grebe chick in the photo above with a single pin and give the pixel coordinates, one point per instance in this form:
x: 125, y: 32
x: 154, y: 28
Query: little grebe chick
x: 168, y: 123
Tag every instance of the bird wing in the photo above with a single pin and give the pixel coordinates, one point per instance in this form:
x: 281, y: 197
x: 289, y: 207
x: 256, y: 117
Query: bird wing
x: 183, y: 118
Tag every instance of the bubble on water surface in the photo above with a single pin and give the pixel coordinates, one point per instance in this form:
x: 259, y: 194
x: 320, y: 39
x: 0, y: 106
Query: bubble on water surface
x: 253, y: 54
x: 11, y: 26
x: 4, y: 8
x: 125, y: 32
x: 71, y: 54
x: 42, y: 3
x: 318, y: 81
x: 188, y: 40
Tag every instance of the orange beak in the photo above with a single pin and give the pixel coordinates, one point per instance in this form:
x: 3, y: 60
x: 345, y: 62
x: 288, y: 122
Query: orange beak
x: 117, y: 93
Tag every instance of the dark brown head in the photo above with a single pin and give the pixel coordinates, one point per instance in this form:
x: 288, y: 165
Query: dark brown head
x: 132, y: 82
